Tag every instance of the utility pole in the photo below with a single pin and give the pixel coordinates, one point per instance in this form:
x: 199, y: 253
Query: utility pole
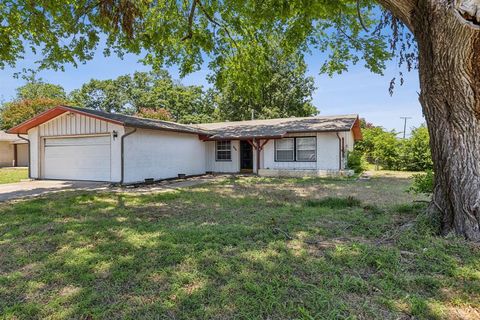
x: 405, y: 125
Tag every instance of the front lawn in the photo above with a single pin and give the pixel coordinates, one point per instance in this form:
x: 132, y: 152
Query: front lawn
x: 12, y: 175
x: 247, y: 248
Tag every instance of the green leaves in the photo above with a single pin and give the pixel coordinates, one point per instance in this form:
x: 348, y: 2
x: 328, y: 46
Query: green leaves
x: 69, y: 32
x: 149, y: 94
x: 383, y: 148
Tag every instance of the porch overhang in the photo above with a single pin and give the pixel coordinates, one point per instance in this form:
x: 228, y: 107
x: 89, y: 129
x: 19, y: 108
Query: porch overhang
x: 228, y: 137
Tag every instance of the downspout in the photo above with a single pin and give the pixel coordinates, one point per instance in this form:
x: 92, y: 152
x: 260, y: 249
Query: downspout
x: 122, y: 154
x: 339, y: 152
x: 28, y: 142
x: 257, y: 142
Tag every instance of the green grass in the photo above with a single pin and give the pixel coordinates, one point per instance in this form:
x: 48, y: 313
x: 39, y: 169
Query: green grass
x: 12, y: 175
x: 237, y: 248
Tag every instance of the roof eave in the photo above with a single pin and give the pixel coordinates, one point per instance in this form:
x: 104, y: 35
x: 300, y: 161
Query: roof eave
x: 48, y: 115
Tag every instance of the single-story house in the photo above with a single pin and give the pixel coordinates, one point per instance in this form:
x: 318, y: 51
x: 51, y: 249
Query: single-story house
x: 13, y: 151
x: 84, y: 144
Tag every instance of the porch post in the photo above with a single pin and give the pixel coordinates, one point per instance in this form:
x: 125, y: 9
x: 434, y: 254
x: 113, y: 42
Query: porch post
x: 257, y: 142
x: 15, y: 155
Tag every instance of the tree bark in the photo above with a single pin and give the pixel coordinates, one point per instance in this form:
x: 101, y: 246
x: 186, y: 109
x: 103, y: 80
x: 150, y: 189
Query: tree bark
x: 448, y: 38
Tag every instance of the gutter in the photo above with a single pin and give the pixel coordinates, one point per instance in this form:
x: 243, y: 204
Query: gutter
x: 28, y: 142
x: 122, y: 159
x: 339, y: 152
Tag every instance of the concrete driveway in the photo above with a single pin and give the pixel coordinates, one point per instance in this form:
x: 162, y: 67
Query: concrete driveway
x: 34, y: 188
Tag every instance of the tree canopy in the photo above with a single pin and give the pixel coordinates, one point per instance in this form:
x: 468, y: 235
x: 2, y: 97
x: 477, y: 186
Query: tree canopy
x: 153, y: 94
x: 186, y: 32
x: 32, y: 98
x: 282, y: 88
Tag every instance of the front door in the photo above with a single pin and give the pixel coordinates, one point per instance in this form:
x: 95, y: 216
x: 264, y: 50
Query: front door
x: 246, y: 156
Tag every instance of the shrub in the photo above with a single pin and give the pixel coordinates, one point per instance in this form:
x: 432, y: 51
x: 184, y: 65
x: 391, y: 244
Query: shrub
x: 423, y: 182
x: 356, y: 161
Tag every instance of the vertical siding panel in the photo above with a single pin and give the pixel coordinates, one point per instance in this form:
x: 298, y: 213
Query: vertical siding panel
x: 77, y: 123
x: 74, y: 123
x: 67, y: 124
x: 98, y: 126
x: 64, y: 125
x: 70, y: 124
x: 82, y: 125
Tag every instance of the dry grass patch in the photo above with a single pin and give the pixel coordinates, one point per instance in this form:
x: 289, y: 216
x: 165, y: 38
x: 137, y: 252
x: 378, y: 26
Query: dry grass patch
x: 243, y: 248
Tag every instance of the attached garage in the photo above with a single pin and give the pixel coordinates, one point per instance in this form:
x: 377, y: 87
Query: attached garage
x: 68, y: 143
x: 77, y: 158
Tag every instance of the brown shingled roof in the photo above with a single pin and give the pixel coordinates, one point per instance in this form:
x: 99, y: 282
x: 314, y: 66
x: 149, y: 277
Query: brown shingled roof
x: 271, y: 128
x: 127, y: 121
x: 277, y: 128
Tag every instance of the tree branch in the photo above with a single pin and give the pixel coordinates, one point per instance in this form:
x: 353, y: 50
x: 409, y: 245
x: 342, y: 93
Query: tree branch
x: 402, y: 9
x: 189, y: 35
x: 212, y: 20
x: 359, y: 13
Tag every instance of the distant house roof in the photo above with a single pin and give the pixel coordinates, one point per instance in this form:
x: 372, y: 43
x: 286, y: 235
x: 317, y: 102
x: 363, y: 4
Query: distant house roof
x: 120, y: 119
x: 12, y: 138
x: 271, y: 128
x: 277, y: 128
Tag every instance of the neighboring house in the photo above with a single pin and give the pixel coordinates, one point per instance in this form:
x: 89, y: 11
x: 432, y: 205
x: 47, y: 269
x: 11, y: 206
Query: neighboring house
x: 13, y: 151
x: 83, y: 144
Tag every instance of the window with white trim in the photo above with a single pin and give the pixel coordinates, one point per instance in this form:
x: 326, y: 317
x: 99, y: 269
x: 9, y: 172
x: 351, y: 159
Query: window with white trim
x: 223, y: 151
x: 306, y: 149
x: 285, y: 149
x: 301, y: 149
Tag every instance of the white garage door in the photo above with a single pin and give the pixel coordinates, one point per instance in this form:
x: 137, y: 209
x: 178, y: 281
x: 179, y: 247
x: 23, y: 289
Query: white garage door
x: 81, y: 158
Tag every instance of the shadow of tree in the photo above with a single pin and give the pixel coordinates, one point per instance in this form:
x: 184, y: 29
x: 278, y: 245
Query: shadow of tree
x: 210, y: 252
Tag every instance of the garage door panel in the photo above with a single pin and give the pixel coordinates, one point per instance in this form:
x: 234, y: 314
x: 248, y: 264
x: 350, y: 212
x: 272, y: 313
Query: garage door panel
x: 88, y: 141
x: 85, y: 158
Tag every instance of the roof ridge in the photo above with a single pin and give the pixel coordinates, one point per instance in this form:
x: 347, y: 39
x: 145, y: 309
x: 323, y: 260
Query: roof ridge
x: 130, y: 116
x: 276, y: 119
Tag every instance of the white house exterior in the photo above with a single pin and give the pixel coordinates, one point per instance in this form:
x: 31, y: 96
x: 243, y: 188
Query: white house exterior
x: 69, y: 143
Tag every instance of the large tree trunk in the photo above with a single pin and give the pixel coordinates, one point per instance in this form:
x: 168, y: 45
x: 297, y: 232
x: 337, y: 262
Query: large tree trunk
x: 448, y: 37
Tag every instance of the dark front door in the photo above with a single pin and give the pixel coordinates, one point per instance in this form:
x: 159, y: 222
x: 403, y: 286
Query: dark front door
x: 246, y: 155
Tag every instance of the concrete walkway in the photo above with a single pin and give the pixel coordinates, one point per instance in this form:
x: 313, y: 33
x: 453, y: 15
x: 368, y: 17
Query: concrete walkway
x: 34, y: 188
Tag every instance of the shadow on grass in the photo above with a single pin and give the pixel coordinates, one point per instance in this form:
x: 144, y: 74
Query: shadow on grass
x: 206, y: 253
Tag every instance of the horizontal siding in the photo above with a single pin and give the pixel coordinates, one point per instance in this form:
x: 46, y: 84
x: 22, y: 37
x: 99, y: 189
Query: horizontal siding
x: 74, y: 124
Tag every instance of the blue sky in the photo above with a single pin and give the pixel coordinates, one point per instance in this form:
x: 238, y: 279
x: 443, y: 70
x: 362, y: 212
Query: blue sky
x: 356, y: 91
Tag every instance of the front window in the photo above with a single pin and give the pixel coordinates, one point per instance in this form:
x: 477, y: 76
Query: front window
x: 285, y: 149
x: 306, y: 149
x: 223, y: 151
x: 301, y: 149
